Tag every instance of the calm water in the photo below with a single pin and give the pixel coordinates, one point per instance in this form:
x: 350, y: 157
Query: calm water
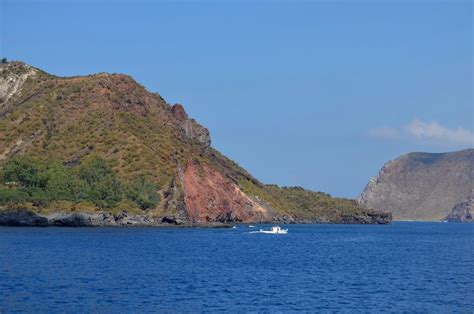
x: 414, y: 267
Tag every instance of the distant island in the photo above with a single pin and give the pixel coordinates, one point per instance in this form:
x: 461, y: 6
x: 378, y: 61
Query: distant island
x: 100, y: 150
x: 424, y: 187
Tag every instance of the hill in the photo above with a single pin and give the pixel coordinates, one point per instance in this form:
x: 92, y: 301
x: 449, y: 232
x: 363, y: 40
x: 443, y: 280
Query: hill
x: 421, y: 186
x: 103, y: 145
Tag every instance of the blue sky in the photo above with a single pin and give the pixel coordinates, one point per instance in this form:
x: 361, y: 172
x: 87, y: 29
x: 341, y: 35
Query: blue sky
x: 315, y: 94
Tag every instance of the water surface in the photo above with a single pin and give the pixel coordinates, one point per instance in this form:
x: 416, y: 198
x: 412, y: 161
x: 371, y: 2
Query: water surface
x: 414, y: 267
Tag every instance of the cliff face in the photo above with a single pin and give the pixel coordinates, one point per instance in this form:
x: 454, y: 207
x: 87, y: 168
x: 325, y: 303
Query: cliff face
x: 462, y: 212
x: 110, y: 116
x: 421, y: 186
x: 205, y: 187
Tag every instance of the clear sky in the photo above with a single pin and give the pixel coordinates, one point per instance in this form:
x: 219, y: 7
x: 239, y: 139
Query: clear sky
x: 308, y: 93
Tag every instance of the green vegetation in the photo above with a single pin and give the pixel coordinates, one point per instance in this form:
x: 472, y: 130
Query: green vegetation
x: 300, y: 203
x: 4, y: 60
x: 143, y: 193
x: 30, y: 180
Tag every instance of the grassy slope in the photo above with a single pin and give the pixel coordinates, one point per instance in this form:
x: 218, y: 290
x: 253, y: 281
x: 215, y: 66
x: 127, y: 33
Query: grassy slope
x: 303, y: 204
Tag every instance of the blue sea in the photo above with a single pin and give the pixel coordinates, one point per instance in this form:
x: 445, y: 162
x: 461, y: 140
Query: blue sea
x: 402, y: 267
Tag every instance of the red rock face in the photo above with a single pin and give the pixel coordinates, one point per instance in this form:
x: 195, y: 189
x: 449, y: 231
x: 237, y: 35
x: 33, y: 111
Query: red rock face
x: 209, y: 196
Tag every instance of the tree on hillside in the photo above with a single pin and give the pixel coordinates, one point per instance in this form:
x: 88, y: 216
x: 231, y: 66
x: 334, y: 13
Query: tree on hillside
x: 143, y: 193
x: 25, y: 171
x: 29, y: 179
x: 102, y: 185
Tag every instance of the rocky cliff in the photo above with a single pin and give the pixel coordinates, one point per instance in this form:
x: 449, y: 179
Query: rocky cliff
x: 462, y: 212
x: 421, y: 186
x: 75, y: 120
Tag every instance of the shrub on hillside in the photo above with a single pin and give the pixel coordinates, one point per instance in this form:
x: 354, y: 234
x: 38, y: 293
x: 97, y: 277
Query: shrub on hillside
x: 26, y: 179
x: 143, y: 193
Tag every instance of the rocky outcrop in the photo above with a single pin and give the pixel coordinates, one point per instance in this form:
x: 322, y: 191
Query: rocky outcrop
x: 421, y: 186
x: 191, y: 128
x: 209, y: 196
x: 170, y: 220
x: 462, y: 212
x: 12, y: 77
x: 100, y: 220
x: 70, y: 220
x: 21, y: 218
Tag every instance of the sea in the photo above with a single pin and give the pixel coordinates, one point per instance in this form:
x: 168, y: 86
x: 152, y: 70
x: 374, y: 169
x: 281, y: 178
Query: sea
x: 408, y: 267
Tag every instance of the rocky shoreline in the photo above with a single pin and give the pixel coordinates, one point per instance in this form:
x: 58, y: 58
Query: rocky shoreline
x: 27, y: 218
x: 462, y: 212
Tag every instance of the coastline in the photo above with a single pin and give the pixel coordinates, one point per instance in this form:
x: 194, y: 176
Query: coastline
x: 28, y: 218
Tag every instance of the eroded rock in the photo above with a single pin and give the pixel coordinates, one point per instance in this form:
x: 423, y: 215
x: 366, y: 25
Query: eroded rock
x: 22, y: 218
x: 462, y: 212
x: 191, y: 128
x: 211, y: 197
x: 12, y: 77
x: 70, y: 220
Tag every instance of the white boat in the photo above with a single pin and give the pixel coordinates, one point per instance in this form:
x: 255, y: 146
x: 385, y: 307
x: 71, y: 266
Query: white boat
x: 251, y: 226
x: 275, y: 230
